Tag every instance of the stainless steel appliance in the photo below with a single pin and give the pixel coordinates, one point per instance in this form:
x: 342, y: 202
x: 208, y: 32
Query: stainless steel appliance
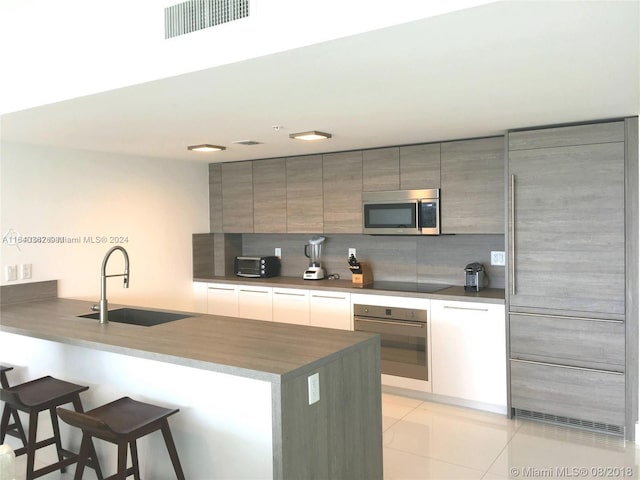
x: 404, y: 338
x: 313, y: 251
x: 474, y: 277
x: 401, y: 212
x: 257, y: 267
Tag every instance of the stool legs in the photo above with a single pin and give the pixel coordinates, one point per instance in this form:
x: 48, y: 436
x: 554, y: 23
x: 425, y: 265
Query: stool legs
x: 171, y: 447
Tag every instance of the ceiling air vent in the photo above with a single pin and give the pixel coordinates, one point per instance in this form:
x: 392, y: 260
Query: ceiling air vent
x: 187, y: 17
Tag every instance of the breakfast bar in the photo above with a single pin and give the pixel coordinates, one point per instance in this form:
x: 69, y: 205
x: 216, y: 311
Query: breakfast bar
x: 257, y: 399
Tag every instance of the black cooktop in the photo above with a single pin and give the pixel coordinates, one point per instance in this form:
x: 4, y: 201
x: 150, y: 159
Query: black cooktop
x: 408, y: 287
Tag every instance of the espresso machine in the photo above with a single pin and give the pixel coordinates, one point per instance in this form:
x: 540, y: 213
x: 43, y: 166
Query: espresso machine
x: 475, y: 277
x: 313, y: 251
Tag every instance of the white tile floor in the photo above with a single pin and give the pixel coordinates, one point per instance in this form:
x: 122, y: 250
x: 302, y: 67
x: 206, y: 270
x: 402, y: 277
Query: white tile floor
x: 425, y: 440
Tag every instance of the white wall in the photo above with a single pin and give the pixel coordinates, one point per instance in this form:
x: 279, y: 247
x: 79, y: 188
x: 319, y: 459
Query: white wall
x: 54, y: 51
x: 156, y: 205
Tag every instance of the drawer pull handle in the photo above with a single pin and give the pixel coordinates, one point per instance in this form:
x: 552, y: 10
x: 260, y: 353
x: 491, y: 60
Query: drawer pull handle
x: 222, y: 288
x: 567, y: 317
x: 253, y: 291
x: 328, y: 296
x: 467, y: 308
x: 290, y: 294
x: 571, y: 367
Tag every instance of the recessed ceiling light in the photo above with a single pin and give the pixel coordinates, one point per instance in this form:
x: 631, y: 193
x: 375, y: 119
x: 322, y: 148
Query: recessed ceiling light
x: 246, y: 142
x: 205, y: 148
x: 313, y: 135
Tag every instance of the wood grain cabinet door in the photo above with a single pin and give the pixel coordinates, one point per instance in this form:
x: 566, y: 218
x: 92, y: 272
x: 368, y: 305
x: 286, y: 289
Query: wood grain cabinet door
x: 472, y: 186
x: 381, y: 169
x: 420, y: 166
x: 567, y: 226
x: 269, y: 196
x: 237, y: 197
x: 215, y: 198
x: 342, y: 190
x: 304, y: 194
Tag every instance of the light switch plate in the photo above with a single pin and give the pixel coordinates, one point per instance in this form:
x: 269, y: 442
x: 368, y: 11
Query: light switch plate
x: 25, y: 271
x: 12, y: 273
x: 498, y: 258
x: 314, y: 388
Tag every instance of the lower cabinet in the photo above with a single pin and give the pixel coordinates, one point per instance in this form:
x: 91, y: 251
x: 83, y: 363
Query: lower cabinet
x: 330, y: 309
x: 568, y: 369
x: 222, y: 299
x: 291, y: 305
x: 593, y: 395
x: 255, y: 303
x: 468, y: 351
x: 319, y: 308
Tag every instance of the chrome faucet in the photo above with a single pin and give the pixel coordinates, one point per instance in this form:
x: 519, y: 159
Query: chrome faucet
x: 103, y: 306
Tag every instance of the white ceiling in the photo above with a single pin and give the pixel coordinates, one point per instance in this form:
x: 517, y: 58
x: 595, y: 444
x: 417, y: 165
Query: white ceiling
x: 466, y: 74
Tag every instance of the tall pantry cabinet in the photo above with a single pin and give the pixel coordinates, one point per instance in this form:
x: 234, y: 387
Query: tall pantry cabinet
x: 572, y: 336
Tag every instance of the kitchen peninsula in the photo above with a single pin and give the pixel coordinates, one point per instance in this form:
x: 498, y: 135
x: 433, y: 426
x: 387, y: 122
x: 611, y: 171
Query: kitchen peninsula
x: 242, y: 387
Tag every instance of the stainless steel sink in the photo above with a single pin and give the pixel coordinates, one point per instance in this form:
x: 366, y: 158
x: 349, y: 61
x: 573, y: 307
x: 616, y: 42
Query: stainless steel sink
x: 135, y: 316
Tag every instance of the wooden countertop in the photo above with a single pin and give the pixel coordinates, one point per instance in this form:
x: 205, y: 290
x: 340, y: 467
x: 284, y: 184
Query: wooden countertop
x: 267, y: 351
x: 452, y: 293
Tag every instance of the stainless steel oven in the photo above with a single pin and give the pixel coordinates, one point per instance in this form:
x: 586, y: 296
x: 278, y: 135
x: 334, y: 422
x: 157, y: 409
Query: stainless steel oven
x: 404, y: 338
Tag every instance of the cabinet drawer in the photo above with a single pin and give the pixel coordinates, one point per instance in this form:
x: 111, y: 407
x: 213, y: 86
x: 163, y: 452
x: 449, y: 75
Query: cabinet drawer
x: 579, y: 393
x: 568, y: 340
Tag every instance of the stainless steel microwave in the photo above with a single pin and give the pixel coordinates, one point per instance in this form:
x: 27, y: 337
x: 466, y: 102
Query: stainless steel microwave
x: 401, y: 212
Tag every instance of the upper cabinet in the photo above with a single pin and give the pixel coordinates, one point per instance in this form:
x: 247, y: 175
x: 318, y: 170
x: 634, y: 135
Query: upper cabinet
x: 323, y: 193
x: 269, y: 196
x: 215, y: 197
x: 420, y: 166
x: 237, y: 197
x: 472, y: 189
x: 381, y: 169
x: 342, y: 188
x: 304, y: 194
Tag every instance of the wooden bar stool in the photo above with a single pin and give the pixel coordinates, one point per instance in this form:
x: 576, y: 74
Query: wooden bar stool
x: 33, y: 397
x: 122, y: 422
x: 14, y: 429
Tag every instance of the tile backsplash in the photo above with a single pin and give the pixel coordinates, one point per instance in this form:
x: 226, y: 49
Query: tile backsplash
x: 427, y: 259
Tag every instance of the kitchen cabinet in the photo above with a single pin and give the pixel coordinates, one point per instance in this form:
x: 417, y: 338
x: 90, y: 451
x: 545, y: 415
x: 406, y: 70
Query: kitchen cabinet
x: 222, y: 299
x: 567, y: 231
x: 381, y: 169
x: 342, y: 192
x: 269, y: 196
x: 468, y: 351
x: 255, y: 302
x: 215, y: 198
x: 330, y: 309
x: 291, y: 305
x: 304, y: 194
x: 420, y: 166
x: 472, y: 183
x: 567, y: 275
x: 237, y: 197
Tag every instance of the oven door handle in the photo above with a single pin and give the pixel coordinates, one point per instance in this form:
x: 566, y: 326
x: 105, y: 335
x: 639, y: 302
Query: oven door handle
x: 393, y: 323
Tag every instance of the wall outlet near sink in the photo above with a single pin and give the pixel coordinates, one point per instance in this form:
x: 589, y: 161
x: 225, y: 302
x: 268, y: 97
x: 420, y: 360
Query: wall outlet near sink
x: 498, y: 258
x: 278, y: 252
x: 352, y: 251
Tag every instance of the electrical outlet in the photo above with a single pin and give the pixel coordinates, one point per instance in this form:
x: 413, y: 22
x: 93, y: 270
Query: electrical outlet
x: 314, y: 388
x: 278, y: 252
x: 498, y: 258
x: 25, y: 271
x: 12, y: 273
x: 352, y: 251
